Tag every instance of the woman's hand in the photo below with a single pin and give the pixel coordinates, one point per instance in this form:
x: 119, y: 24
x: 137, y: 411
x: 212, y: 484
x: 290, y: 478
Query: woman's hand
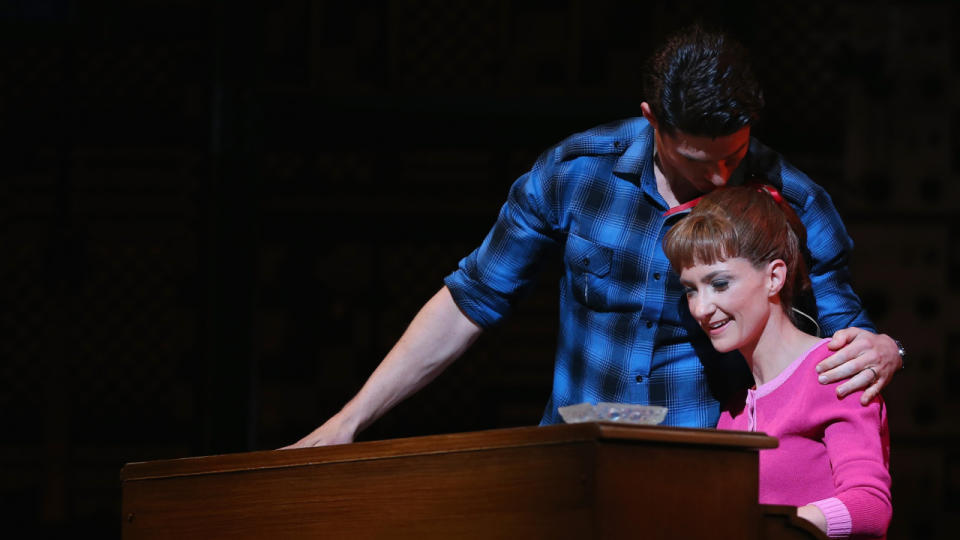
x: 813, y: 514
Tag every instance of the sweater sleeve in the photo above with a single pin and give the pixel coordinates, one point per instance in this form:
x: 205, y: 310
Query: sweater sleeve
x: 837, y: 516
x: 858, y: 444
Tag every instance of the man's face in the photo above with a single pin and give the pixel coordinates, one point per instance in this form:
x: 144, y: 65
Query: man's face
x: 704, y: 163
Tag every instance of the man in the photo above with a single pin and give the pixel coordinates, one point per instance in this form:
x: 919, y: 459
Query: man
x: 601, y: 201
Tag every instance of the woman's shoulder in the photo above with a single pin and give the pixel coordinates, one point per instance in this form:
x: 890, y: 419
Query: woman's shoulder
x: 806, y: 372
x: 818, y: 351
x: 798, y: 372
x: 826, y: 394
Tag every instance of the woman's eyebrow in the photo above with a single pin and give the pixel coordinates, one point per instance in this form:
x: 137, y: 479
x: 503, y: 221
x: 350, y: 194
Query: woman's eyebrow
x: 711, y: 275
x: 705, y: 279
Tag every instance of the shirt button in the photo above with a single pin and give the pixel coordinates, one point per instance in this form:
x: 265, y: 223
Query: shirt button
x: 639, y: 378
x: 586, y: 261
x: 656, y: 275
x: 649, y: 324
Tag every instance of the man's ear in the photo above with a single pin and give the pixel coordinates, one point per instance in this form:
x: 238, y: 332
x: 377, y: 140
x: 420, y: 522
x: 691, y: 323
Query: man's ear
x: 776, y: 276
x: 648, y: 114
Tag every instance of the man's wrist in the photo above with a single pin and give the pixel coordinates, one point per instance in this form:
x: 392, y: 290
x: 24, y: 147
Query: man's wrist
x: 902, y: 351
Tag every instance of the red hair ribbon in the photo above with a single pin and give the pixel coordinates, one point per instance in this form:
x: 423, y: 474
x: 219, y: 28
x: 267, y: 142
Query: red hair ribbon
x: 772, y: 191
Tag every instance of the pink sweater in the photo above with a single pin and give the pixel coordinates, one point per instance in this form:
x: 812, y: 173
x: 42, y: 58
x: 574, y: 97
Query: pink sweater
x: 833, y: 453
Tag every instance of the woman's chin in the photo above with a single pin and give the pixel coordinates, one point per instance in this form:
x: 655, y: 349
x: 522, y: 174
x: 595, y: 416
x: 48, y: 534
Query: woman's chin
x: 723, y: 346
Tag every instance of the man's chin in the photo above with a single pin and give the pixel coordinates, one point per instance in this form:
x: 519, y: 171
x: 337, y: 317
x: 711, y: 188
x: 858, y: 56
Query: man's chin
x: 706, y: 187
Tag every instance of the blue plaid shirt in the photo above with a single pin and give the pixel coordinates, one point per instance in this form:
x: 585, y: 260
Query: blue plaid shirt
x: 625, y: 332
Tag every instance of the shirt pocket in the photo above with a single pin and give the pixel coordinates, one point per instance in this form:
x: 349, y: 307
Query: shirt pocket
x: 588, y: 265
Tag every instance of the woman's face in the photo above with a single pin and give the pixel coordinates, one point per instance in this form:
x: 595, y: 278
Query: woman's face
x: 730, y: 300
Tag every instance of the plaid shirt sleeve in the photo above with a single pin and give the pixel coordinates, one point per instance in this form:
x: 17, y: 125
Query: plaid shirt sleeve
x: 491, y: 278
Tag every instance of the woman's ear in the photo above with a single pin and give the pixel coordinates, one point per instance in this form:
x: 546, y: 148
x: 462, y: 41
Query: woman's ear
x: 776, y: 276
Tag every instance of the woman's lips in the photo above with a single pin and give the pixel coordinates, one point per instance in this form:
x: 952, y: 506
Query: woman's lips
x: 716, y: 327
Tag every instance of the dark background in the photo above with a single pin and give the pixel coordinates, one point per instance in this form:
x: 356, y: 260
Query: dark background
x: 217, y: 217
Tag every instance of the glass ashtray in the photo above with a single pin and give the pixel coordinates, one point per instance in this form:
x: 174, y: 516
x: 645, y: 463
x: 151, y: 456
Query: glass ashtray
x: 624, y: 413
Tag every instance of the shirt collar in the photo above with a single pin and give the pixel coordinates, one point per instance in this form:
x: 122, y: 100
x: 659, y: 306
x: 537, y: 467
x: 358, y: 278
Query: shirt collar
x: 639, y: 154
x: 636, y: 163
x: 637, y: 160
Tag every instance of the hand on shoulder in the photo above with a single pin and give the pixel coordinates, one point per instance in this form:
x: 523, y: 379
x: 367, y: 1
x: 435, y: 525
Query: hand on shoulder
x: 866, y: 359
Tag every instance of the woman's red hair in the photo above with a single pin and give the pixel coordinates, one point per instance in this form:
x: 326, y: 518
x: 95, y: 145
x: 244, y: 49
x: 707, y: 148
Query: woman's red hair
x: 752, y: 222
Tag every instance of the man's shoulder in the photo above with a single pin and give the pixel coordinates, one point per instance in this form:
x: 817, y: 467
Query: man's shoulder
x: 610, y: 139
x: 769, y: 166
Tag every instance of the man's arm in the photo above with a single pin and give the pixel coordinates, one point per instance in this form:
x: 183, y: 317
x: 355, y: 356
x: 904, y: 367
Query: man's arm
x: 865, y: 357
x: 438, y: 335
x: 486, y: 284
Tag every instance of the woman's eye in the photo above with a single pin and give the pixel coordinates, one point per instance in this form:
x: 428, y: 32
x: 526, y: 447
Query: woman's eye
x: 689, y: 291
x: 720, y: 285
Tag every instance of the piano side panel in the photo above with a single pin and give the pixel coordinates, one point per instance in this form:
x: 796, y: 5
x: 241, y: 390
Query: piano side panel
x: 677, y: 491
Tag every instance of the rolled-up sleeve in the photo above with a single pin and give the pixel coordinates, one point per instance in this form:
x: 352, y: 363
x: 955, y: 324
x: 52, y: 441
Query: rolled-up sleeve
x: 489, y: 280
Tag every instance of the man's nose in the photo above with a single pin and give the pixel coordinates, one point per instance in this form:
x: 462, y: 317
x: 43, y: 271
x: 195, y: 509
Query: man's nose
x: 719, y: 172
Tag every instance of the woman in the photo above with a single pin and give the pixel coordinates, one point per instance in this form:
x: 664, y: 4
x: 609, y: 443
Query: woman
x: 739, y: 255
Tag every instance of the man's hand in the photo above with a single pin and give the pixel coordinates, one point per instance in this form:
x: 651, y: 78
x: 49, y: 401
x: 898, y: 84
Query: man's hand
x: 438, y: 335
x: 868, y: 360
x: 333, y: 431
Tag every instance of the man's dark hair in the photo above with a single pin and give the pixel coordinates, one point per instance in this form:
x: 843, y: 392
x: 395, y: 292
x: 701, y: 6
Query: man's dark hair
x: 701, y: 83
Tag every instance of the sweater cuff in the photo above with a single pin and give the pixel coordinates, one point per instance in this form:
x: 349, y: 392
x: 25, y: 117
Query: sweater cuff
x: 839, y: 524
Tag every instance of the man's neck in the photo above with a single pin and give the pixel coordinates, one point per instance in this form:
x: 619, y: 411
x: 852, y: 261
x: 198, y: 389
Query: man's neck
x: 673, y: 193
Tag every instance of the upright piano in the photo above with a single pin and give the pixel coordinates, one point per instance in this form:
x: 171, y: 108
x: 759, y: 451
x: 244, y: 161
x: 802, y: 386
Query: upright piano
x: 589, y: 480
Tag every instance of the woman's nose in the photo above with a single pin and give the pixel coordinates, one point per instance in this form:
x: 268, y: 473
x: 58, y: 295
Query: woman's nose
x: 700, y: 308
